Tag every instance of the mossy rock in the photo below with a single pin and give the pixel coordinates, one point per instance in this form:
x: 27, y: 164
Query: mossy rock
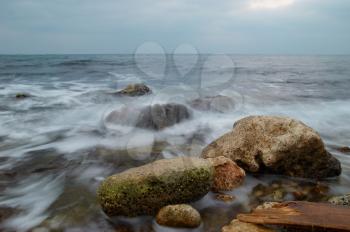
x: 22, y: 95
x: 146, y: 189
x: 133, y: 90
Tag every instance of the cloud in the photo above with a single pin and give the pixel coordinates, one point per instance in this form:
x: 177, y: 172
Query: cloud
x: 228, y: 26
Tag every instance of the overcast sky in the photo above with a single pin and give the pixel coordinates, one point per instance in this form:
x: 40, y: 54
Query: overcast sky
x: 211, y: 26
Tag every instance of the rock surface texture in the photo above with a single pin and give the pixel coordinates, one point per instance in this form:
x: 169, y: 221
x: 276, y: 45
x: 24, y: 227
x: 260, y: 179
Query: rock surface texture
x: 279, y: 145
x: 180, y: 216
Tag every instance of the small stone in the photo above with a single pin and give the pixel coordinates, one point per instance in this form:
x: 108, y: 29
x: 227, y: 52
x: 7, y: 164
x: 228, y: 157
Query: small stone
x: 340, y: 200
x: 267, y: 205
x: 225, y: 197
x: 133, y: 90
x: 238, y: 226
x: 344, y: 149
x: 22, y: 95
x: 227, y: 175
x: 179, y: 216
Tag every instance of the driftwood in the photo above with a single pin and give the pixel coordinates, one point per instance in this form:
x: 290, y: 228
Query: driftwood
x: 298, y: 214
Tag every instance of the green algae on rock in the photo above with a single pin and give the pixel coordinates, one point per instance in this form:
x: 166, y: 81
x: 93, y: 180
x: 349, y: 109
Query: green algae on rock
x: 146, y: 189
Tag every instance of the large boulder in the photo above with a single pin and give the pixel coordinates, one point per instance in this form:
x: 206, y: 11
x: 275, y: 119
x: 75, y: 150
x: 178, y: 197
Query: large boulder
x: 133, y: 90
x: 146, y: 189
x: 218, y: 103
x: 179, y: 216
x: 278, y: 145
x: 154, y: 117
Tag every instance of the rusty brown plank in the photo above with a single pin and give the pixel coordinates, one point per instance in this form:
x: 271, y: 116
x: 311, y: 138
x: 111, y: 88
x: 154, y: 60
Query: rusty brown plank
x: 304, y: 214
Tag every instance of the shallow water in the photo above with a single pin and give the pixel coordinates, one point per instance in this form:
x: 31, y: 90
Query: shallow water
x: 56, y: 146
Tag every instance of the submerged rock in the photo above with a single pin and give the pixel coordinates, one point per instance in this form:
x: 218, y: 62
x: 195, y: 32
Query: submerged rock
x: 340, y: 200
x: 182, y: 216
x: 278, y: 145
x: 287, y: 190
x: 238, y: 226
x: 344, y: 149
x: 225, y: 197
x: 22, y: 95
x: 154, y: 117
x: 146, y: 189
x: 217, y: 103
x: 133, y: 90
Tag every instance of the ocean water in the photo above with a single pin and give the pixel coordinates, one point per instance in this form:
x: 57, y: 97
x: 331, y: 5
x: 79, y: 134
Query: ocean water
x: 56, y: 145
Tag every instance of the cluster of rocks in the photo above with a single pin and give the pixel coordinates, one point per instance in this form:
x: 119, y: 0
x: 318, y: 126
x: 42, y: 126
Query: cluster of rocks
x: 256, y: 144
x: 147, y: 189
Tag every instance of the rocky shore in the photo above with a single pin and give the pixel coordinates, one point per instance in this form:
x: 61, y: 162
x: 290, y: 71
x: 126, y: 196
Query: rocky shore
x: 257, y: 145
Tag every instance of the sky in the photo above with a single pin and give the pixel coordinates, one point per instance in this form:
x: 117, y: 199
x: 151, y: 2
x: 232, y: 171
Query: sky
x: 208, y: 26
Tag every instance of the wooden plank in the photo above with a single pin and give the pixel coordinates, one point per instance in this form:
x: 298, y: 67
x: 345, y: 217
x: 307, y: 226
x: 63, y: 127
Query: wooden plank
x: 304, y: 214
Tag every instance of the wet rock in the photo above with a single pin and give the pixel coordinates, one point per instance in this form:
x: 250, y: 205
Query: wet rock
x: 183, y: 216
x: 344, y: 149
x: 7, y: 212
x: 146, y: 189
x: 238, y: 226
x: 340, y: 200
x: 155, y: 117
x: 228, y: 175
x: 288, y: 190
x: 225, y: 198
x: 278, y: 145
x: 217, y: 103
x: 22, y: 95
x: 158, y: 117
x: 133, y: 90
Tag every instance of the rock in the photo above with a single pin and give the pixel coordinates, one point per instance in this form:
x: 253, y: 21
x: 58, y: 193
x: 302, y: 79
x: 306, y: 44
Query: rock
x: 286, y: 190
x: 133, y: 90
x: 158, y: 117
x: 344, y: 149
x: 238, y: 226
x: 225, y: 198
x: 22, y: 95
x: 217, y: 103
x: 155, y: 117
x: 183, y: 216
x: 228, y: 175
x: 340, y: 200
x: 146, y: 189
x: 279, y: 145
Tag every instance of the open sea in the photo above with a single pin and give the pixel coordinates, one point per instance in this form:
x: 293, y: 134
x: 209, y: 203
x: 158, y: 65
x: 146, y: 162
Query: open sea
x: 56, y: 145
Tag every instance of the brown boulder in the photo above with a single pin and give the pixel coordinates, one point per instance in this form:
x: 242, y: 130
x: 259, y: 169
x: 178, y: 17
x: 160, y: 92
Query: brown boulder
x: 278, y: 145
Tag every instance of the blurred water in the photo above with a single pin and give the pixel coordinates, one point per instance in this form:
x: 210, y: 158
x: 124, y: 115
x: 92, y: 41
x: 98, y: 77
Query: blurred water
x: 58, y: 138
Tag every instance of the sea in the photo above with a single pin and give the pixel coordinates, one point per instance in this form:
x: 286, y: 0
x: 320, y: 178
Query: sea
x: 56, y: 145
